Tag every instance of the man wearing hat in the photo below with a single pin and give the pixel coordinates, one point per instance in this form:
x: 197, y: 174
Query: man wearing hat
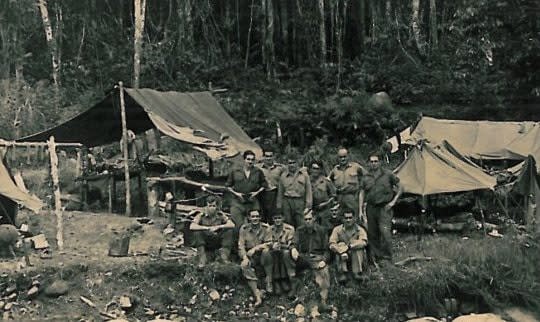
x: 346, y: 177
x: 294, y: 197
x: 272, y: 171
x: 348, y: 241
x: 324, y: 195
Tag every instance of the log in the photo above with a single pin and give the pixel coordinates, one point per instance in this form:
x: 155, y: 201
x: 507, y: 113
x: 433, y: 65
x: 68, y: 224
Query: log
x: 57, y: 196
x: 125, y: 148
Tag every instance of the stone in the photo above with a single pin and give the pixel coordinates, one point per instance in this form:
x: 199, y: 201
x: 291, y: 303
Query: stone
x: 125, y: 302
x: 57, y: 288
x: 380, y: 100
x: 33, y: 291
x: 299, y: 310
x: 315, y: 312
x: 214, y: 295
x: 8, y: 306
x: 424, y: 319
x: 486, y: 317
x: 40, y: 241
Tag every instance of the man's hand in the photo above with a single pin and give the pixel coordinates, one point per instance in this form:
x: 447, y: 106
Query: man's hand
x: 321, y: 264
x: 245, y: 262
x: 253, y: 195
x: 344, y: 256
x: 294, y: 254
x: 363, y: 217
x: 251, y: 252
x: 306, y: 210
x: 214, y: 229
x: 389, y: 205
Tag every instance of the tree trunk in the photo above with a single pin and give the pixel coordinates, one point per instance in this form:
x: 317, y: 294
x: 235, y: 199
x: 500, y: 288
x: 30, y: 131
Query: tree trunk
x: 374, y: 20
x: 388, y: 12
x: 249, y: 34
x: 264, y: 32
x: 270, y: 39
x: 284, y: 21
x: 433, y: 23
x: 53, y: 48
x: 140, y: 9
x: 415, y: 21
x: 362, y: 22
x: 228, y: 29
x: 188, y: 8
x: 322, y: 33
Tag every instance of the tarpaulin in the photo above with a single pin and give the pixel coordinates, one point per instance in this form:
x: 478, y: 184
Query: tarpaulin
x: 432, y: 169
x: 9, y: 189
x: 195, y: 118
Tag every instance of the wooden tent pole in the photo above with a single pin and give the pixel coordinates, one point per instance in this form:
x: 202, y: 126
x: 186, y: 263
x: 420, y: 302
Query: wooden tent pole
x: 125, y: 149
x: 56, y: 188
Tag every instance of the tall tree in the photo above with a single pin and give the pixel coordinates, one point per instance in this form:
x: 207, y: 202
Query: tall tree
x: 416, y: 27
x: 53, y: 47
x: 140, y: 10
x: 322, y: 33
x: 433, y: 23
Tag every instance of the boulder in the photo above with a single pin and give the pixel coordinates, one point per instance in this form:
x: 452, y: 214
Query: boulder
x: 299, y: 310
x: 380, y: 100
x: 57, y: 288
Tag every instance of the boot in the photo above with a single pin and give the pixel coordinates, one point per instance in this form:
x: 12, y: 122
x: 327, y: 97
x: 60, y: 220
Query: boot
x: 202, y: 257
x: 224, y: 254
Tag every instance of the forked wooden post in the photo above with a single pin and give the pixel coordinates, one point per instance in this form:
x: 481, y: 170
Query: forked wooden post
x: 56, y: 188
x: 125, y: 148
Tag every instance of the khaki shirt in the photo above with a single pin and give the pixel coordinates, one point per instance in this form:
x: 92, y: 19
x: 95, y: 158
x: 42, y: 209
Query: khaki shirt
x: 283, y: 236
x: 356, y: 236
x: 250, y: 237
x: 347, y: 179
x: 272, y: 174
x: 379, y: 186
x: 297, y: 185
x: 323, y: 190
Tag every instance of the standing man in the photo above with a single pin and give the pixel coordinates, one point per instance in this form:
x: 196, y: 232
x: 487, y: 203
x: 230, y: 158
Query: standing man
x: 212, y: 229
x: 245, y: 184
x: 254, y: 242
x: 294, y: 197
x: 282, y: 242
x: 272, y: 171
x: 324, y: 195
x: 346, y: 177
x: 348, y: 241
x: 312, y: 252
x: 380, y: 189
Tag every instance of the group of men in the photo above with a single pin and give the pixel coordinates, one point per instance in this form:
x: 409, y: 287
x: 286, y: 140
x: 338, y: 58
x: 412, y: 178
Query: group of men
x: 286, y: 219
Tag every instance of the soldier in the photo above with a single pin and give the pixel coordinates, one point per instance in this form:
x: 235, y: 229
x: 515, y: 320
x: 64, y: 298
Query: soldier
x: 254, y: 244
x: 346, y: 177
x: 272, y: 171
x: 378, y: 191
x: 349, y: 241
x: 212, y: 229
x: 282, y: 243
x: 312, y: 252
x: 294, y: 197
x: 324, y: 194
x: 245, y: 184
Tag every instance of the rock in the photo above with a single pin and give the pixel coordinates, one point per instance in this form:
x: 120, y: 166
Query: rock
x: 214, y: 295
x: 380, y: 100
x: 2, y: 304
x: 57, y: 288
x: 40, y: 242
x: 12, y: 288
x: 299, y: 310
x: 486, y: 317
x: 118, y: 320
x: 169, y: 230
x: 125, y: 302
x: 160, y: 320
x: 87, y: 301
x: 334, y: 315
x: 8, y: 306
x: 33, y: 291
x: 315, y: 312
x: 425, y: 319
x: 520, y: 315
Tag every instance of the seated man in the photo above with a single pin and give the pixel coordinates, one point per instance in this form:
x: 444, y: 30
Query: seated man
x: 212, y: 229
x: 349, y: 241
x: 254, y: 242
x: 282, y: 243
x: 312, y: 252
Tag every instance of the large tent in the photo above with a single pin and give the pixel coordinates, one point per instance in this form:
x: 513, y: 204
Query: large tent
x: 481, y: 139
x: 11, y: 196
x: 195, y: 118
x: 430, y: 169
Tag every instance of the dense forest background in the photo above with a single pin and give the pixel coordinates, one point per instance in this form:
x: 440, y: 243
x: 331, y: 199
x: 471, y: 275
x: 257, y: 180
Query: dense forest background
x: 308, y: 65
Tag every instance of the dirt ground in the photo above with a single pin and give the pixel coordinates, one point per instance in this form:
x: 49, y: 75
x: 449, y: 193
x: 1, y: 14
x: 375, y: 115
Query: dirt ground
x: 86, y: 239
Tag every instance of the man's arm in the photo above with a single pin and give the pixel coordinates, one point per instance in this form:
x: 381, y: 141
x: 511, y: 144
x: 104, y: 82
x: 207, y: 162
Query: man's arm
x: 392, y: 203
x: 279, y: 198
x: 360, y: 241
x: 195, y: 224
x: 309, y: 194
x: 242, y: 246
x: 229, y: 224
x: 334, y: 239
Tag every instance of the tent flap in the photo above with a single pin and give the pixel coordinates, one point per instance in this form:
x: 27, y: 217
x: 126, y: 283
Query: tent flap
x: 9, y: 189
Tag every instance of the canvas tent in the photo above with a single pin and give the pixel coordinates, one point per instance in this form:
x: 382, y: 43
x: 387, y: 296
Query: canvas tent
x: 481, y: 139
x: 430, y: 169
x: 11, y: 196
x: 195, y: 118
